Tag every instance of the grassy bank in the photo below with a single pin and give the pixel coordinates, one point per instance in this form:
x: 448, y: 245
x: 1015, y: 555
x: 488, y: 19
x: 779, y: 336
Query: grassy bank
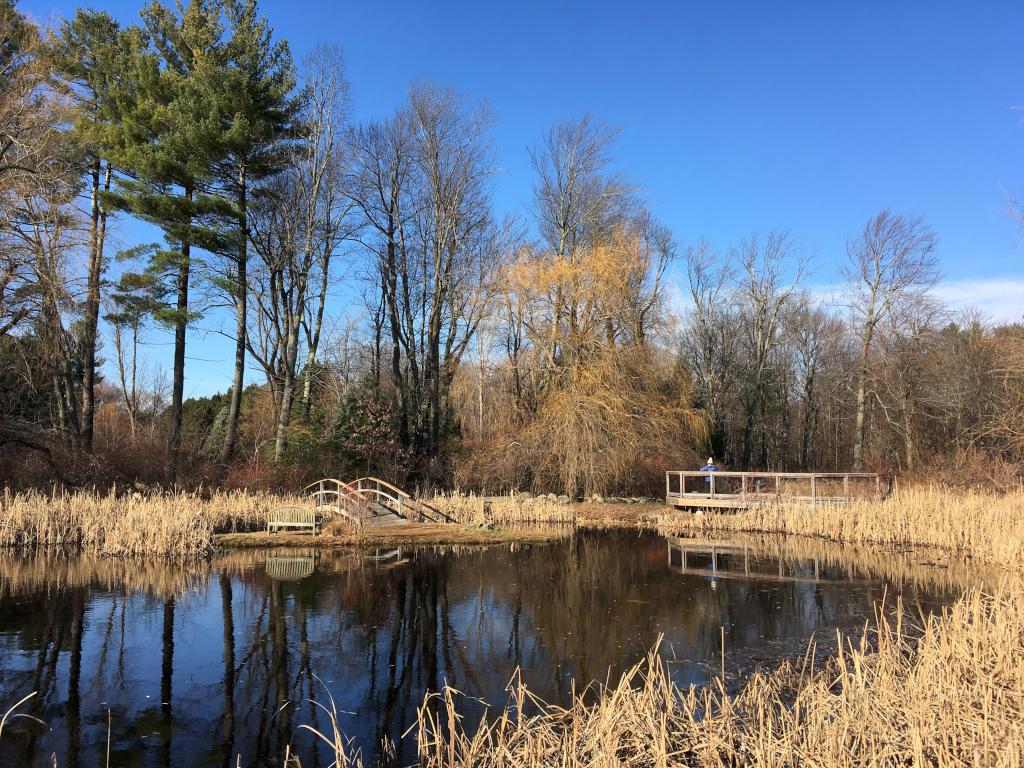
x: 189, y: 525
x: 966, y: 523
x: 412, y: 534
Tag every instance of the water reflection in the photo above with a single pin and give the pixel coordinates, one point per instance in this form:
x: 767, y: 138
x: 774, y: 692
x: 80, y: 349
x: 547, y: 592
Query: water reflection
x: 200, y: 664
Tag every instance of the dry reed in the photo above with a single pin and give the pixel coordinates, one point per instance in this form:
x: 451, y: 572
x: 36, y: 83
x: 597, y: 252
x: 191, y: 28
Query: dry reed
x: 950, y: 693
x: 503, y: 510
x: 966, y: 523
x: 174, y: 525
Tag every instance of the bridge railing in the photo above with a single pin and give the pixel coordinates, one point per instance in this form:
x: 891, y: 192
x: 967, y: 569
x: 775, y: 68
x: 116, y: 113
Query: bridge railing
x: 408, y: 506
x: 814, y: 487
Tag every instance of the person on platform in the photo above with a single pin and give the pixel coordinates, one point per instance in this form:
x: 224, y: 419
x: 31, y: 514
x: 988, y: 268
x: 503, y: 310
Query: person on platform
x: 709, y: 467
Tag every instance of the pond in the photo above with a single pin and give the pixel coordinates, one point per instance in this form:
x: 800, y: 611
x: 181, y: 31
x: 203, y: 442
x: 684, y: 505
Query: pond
x: 196, y: 664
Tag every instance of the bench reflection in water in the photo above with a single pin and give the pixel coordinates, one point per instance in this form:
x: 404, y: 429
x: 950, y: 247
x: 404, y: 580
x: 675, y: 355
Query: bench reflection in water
x: 291, y: 567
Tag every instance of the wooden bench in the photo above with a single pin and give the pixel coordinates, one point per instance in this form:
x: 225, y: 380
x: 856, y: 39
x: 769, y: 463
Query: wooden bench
x: 292, y: 516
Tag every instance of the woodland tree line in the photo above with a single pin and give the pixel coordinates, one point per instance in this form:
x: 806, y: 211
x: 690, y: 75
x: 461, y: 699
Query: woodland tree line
x: 578, y: 347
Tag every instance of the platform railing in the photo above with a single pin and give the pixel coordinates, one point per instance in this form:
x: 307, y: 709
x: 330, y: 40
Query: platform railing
x: 815, y: 487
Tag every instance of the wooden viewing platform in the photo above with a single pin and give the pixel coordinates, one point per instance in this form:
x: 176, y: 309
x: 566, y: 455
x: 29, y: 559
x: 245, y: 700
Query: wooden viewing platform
x: 745, y: 490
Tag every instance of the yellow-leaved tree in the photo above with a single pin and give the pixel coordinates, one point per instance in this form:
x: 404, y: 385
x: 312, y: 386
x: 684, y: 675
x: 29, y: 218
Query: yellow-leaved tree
x: 587, y: 402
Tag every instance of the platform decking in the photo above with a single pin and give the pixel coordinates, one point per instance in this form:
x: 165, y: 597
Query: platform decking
x: 745, y: 490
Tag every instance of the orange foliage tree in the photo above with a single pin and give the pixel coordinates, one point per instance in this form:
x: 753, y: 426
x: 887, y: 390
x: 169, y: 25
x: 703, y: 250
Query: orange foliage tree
x: 587, y: 402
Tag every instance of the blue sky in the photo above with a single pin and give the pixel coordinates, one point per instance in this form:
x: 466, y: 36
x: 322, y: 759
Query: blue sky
x: 736, y: 117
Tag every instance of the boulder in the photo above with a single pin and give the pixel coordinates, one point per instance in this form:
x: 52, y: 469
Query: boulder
x: 562, y: 499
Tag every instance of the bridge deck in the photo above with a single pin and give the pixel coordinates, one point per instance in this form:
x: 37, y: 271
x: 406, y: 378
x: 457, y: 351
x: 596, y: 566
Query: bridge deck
x: 747, y: 490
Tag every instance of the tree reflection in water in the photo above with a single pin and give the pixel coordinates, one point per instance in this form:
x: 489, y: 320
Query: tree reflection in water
x: 200, y: 664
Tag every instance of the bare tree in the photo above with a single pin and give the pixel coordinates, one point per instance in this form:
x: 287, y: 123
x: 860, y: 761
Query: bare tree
x: 709, y: 337
x: 892, y: 259
x: 422, y: 189
x: 763, y: 293
x: 816, y: 339
x: 295, y: 231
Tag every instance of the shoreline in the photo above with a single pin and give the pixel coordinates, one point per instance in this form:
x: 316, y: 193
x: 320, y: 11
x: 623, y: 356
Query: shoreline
x: 407, y: 534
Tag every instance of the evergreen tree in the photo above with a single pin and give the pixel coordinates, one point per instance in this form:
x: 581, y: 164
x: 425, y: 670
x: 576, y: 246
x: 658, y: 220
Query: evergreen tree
x: 89, y: 54
x: 254, y: 93
x: 170, y: 139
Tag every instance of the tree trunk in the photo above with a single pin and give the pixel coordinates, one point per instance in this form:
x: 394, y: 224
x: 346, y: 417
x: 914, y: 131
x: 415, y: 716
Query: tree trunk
x: 97, y: 234
x: 314, y: 346
x: 241, y: 288
x: 285, y: 412
x: 858, y: 433
x: 180, y: 328
x: 908, y: 432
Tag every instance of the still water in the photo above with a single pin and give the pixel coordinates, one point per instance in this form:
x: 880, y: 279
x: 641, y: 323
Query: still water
x: 195, y: 665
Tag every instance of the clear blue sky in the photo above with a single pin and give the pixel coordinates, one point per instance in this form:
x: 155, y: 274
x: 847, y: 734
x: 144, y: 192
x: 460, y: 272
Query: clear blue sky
x: 737, y: 117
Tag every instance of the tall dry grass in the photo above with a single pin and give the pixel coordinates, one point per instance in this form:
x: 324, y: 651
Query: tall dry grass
x: 968, y: 523
x: 470, y: 508
x: 111, y: 524
x: 948, y: 694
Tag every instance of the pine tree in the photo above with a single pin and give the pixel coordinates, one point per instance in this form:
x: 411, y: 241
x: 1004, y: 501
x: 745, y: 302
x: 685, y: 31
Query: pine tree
x: 170, y: 140
x: 255, y: 97
x: 89, y: 55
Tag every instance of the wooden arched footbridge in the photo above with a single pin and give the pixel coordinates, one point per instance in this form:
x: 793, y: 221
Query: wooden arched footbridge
x: 367, y: 502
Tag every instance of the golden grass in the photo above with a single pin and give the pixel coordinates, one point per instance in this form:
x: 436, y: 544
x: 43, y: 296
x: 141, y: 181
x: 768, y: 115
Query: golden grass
x: 188, y: 524
x: 950, y: 693
x: 969, y: 523
x: 174, y: 525
x: 503, y: 510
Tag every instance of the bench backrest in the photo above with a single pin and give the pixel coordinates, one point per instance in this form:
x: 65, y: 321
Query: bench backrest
x: 292, y: 515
